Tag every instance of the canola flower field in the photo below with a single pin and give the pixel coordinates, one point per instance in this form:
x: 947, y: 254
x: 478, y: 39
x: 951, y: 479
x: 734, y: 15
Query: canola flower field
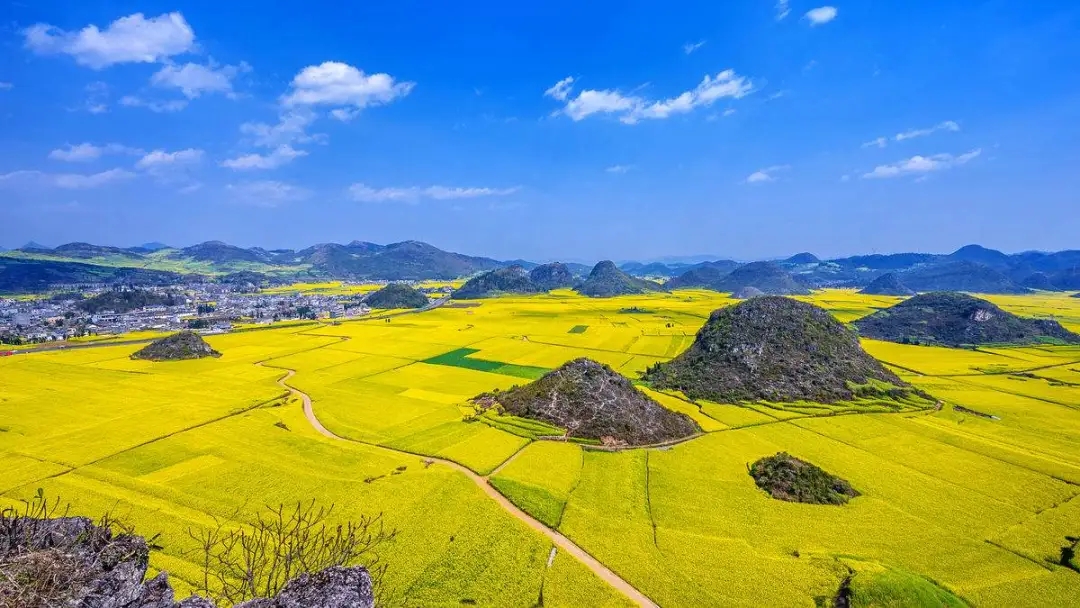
x: 978, y: 494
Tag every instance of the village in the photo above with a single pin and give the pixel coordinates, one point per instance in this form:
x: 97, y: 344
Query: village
x: 75, y: 311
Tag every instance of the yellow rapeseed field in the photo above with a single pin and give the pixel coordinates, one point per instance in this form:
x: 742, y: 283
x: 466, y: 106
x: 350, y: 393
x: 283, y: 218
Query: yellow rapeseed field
x: 978, y: 492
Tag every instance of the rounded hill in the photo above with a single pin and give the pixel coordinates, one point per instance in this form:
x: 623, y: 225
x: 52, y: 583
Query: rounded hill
x: 955, y: 319
x: 396, y: 295
x: 888, y: 284
x: 555, y: 275
x: 606, y: 280
x: 592, y: 401
x: 509, y: 280
x: 773, y: 348
x: 769, y: 277
x: 177, y: 347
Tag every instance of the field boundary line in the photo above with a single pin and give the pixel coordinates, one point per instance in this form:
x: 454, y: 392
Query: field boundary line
x: 564, y: 543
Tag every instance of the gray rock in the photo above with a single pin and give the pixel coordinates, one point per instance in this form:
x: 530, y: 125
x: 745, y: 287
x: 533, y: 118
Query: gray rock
x: 111, y: 570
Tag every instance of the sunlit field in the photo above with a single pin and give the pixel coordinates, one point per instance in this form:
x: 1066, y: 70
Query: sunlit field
x: 977, y: 494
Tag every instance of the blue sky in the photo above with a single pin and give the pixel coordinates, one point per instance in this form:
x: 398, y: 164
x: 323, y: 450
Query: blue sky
x: 564, y: 130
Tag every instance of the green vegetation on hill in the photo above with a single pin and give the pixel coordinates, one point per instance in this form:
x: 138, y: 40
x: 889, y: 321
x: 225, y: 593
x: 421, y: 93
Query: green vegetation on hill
x: 396, y: 295
x: 606, y: 280
x: 176, y: 347
x: 512, y: 280
x: 785, y: 477
x: 960, y: 276
x: 121, y: 301
x: 880, y: 587
x: 707, y: 275
x: 20, y: 275
x: 888, y: 284
x: 592, y: 401
x: 769, y: 277
x: 955, y: 319
x: 777, y: 349
x: 555, y: 275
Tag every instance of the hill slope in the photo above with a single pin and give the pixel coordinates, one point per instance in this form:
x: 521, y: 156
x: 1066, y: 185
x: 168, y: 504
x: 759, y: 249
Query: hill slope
x: 775, y: 349
x: 888, y: 284
x: 769, y: 277
x: 555, y: 275
x: 954, y: 319
x: 960, y: 276
x: 607, y: 280
x: 705, y: 275
x: 497, y: 282
x: 591, y: 401
x: 396, y: 295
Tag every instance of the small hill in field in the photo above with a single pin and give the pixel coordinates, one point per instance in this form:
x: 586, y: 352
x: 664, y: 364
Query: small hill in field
x: 888, y: 284
x: 769, y: 277
x: 396, y: 295
x: 177, y: 347
x: 954, y: 319
x: 785, y: 477
x: 592, y: 401
x: 551, y: 276
x: 606, y: 280
x: 510, y: 280
x: 747, y: 292
x: 776, y: 349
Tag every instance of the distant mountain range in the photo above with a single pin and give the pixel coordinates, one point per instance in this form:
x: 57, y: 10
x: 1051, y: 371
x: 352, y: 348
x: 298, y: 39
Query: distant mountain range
x: 971, y: 268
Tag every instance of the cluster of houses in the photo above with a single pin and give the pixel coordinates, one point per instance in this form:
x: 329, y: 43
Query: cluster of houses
x: 208, y: 308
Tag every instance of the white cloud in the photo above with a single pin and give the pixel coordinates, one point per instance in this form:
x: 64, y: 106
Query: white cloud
x: 782, y: 9
x: 821, y: 15
x: 561, y: 90
x: 193, y: 79
x: 87, y: 152
x: 690, y: 47
x: 333, y: 83
x: 921, y: 165
x: 6, y: 86
x: 160, y: 161
x: 881, y: 142
x: 67, y: 181
x: 281, y: 155
x: 619, y: 168
x: 266, y: 193
x: 290, y: 128
x: 97, y: 97
x: 729, y: 111
x: 131, y: 39
x: 948, y: 125
x: 174, y: 105
x: 631, y: 109
x: 765, y: 175
x: 366, y: 194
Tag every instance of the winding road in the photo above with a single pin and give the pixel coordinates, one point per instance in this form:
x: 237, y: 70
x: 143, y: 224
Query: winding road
x: 558, y: 539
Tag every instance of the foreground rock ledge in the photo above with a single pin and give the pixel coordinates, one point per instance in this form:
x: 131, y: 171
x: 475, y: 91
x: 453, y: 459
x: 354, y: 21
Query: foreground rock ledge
x: 73, y: 563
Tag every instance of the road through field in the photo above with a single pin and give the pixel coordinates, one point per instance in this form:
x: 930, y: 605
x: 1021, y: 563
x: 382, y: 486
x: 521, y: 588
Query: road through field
x: 561, y: 541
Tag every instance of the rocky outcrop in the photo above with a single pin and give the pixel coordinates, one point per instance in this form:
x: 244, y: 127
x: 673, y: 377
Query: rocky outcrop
x: 69, y: 562
x: 177, y: 347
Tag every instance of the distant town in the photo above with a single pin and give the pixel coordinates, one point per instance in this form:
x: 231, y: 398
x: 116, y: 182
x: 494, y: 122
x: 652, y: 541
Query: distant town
x: 81, y: 310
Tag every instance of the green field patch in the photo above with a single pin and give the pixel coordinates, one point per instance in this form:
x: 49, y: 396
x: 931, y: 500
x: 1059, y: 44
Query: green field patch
x: 461, y: 358
x: 578, y: 329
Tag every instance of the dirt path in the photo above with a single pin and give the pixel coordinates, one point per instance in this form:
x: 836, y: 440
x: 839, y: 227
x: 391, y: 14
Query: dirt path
x: 558, y: 539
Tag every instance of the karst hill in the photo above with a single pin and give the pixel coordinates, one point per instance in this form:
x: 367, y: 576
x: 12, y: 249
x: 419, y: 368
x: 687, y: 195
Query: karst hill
x: 592, y: 401
x: 177, y: 347
x: 606, y: 280
x: 955, y: 319
x: 773, y: 348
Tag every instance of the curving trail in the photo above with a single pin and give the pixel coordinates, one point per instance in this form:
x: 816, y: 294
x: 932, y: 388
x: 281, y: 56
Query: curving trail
x: 558, y: 539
